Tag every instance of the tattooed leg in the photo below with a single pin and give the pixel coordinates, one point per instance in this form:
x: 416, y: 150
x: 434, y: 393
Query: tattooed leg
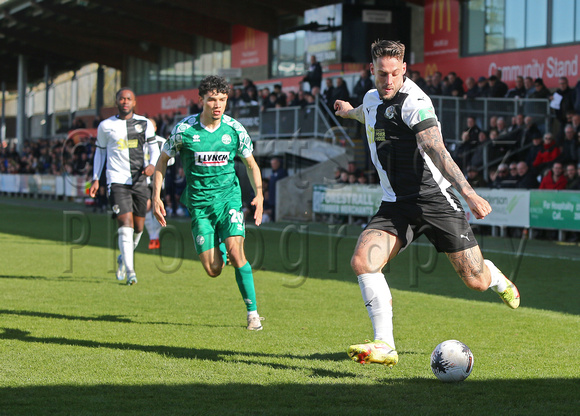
x: 470, y: 267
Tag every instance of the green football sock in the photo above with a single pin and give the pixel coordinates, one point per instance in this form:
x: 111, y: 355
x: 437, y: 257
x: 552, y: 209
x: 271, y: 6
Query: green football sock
x: 245, y: 281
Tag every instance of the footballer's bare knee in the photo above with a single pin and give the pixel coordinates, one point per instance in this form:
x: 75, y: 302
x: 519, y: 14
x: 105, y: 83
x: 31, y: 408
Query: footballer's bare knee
x: 470, y: 267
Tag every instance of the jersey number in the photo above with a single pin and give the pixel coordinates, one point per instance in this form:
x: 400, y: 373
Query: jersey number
x: 236, y: 217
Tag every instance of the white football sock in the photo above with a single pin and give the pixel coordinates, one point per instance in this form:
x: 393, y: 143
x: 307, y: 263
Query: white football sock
x: 253, y: 313
x: 498, y: 283
x: 126, y: 246
x: 152, y: 225
x: 377, y: 298
x: 136, y: 239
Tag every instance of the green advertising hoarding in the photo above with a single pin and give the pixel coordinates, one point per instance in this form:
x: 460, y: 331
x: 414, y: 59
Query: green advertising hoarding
x: 555, y: 209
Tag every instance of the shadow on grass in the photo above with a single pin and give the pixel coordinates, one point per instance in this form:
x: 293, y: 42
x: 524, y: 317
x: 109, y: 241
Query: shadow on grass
x: 546, y: 272
x: 393, y: 397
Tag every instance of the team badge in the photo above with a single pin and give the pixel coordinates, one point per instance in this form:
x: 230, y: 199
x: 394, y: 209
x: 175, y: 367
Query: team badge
x: 390, y: 112
x: 138, y: 128
x: 195, y: 138
x: 116, y: 209
x: 200, y: 240
x: 226, y: 139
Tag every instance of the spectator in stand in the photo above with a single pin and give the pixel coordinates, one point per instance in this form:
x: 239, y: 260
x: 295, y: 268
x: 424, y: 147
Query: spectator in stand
x: 250, y: 98
x: 463, y: 153
x: 513, y: 170
x: 352, y: 168
x: 247, y: 85
x: 314, y: 75
x: 293, y: 99
x: 498, y: 147
x: 472, y: 89
x: 525, y: 178
x: 236, y: 99
x: 343, y: 176
x: 436, y: 84
x: 529, y: 86
x: 519, y: 91
x: 475, y: 178
x: 550, y: 151
x: 576, y: 122
x: 270, y: 102
x: 497, y: 88
x: 278, y: 172
x: 493, y: 123
x: 577, y: 96
x: 562, y: 101
x: 361, y: 87
x: 477, y: 160
x: 328, y: 93
x: 264, y: 96
x: 454, y: 87
x: 281, y: 98
x: 501, y: 127
x: 572, y: 178
x: 341, y: 91
x: 503, y: 178
x: 483, y: 86
x: 473, y: 130
x: 537, y: 147
x: 352, y: 179
x: 554, y: 178
x: 569, y: 146
x: 417, y: 79
x: 540, y: 89
x: 530, y: 131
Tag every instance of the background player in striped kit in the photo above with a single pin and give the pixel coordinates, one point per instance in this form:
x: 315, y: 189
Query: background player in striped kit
x: 121, y: 140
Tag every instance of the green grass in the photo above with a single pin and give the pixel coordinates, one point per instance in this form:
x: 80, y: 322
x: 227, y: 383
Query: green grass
x: 73, y: 341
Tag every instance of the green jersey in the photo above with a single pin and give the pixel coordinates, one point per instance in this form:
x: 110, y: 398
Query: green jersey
x: 207, y: 158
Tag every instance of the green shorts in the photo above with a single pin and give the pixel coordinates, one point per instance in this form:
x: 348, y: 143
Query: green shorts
x: 214, y: 223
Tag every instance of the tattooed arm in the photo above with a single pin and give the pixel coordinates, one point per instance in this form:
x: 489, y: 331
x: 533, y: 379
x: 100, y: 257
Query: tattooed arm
x: 345, y: 110
x: 432, y: 144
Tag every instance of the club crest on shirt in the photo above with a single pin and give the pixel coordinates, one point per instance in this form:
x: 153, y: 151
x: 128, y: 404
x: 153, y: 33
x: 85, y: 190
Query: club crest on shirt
x: 390, y: 112
x: 138, y: 128
x: 226, y: 139
x: 195, y: 138
x: 199, y: 240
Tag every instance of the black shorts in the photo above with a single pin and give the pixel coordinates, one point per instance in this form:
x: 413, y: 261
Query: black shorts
x: 435, y: 216
x: 129, y: 198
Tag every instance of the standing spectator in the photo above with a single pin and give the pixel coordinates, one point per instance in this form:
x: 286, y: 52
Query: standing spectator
x: 572, y: 178
x: 537, y: 147
x: 247, y: 85
x: 562, y: 101
x: 529, y: 86
x: 120, y: 143
x: 278, y: 172
x: 530, y: 131
x: 525, y: 177
x: 519, y: 91
x: 472, y: 129
x: 417, y: 79
x: 361, y: 87
x: 314, y: 74
x: 477, y: 160
x: 498, y: 89
x: 454, y: 87
x: 540, y: 89
x: 436, y: 81
x: 483, y: 86
x: 281, y: 99
x: 554, y: 178
x: 341, y: 91
x: 472, y: 89
x: 328, y: 93
x: 577, y: 97
x: 293, y: 99
x: 569, y: 146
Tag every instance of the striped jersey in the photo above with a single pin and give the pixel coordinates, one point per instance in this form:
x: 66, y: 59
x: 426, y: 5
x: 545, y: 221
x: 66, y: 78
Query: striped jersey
x: 404, y: 170
x: 207, y: 158
x: 124, y: 141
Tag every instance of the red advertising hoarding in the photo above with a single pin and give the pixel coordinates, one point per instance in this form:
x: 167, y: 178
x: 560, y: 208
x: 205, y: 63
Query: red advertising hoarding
x: 249, y: 47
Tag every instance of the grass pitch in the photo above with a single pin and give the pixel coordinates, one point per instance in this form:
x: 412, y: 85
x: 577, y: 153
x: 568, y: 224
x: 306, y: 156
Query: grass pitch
x: 73, y: 341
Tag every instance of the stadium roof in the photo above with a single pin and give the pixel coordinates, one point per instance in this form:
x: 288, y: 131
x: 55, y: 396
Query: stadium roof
x: 69, y: 33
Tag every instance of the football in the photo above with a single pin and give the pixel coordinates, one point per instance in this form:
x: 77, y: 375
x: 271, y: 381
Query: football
x: 451, y: 361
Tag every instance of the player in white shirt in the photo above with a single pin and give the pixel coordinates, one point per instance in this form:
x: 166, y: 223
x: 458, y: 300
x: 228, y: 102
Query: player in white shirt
x: 416, y: 173
x: 121, y: 140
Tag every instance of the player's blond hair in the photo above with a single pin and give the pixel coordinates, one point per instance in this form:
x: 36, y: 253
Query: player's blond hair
x: 388, y: 49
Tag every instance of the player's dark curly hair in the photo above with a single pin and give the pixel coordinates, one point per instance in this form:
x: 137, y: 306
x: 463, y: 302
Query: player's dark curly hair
x: 388, y: 49
x: 213, y: 83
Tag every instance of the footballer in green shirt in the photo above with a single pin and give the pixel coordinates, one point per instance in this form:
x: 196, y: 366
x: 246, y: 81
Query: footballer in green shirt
x: 207, y: 144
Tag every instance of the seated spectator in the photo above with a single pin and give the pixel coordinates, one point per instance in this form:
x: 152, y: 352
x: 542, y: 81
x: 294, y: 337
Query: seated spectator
x: 503, y: 178
x: 576, y: 184
x: 529, y: 86
x: 530, y: 131
x: 525, y: 178
x: 537, y: 147
x: 434, y: 87
x: 483, y: 86
x: 352, y: 168
x: 343, y: 176
x: 572, y: 178
x: 293, y: 100
x: 554, y: 178
x: 550, y: 151
x: 463, y: 153
x: 513, y: 170
x: 540, y: 89
x: 281, y: 98
x: 475, y: 178
x: 497, y: 88
x: 477, y: 159
x: 454, y: 86
x: 501, y: 126
x: 472, y: 89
